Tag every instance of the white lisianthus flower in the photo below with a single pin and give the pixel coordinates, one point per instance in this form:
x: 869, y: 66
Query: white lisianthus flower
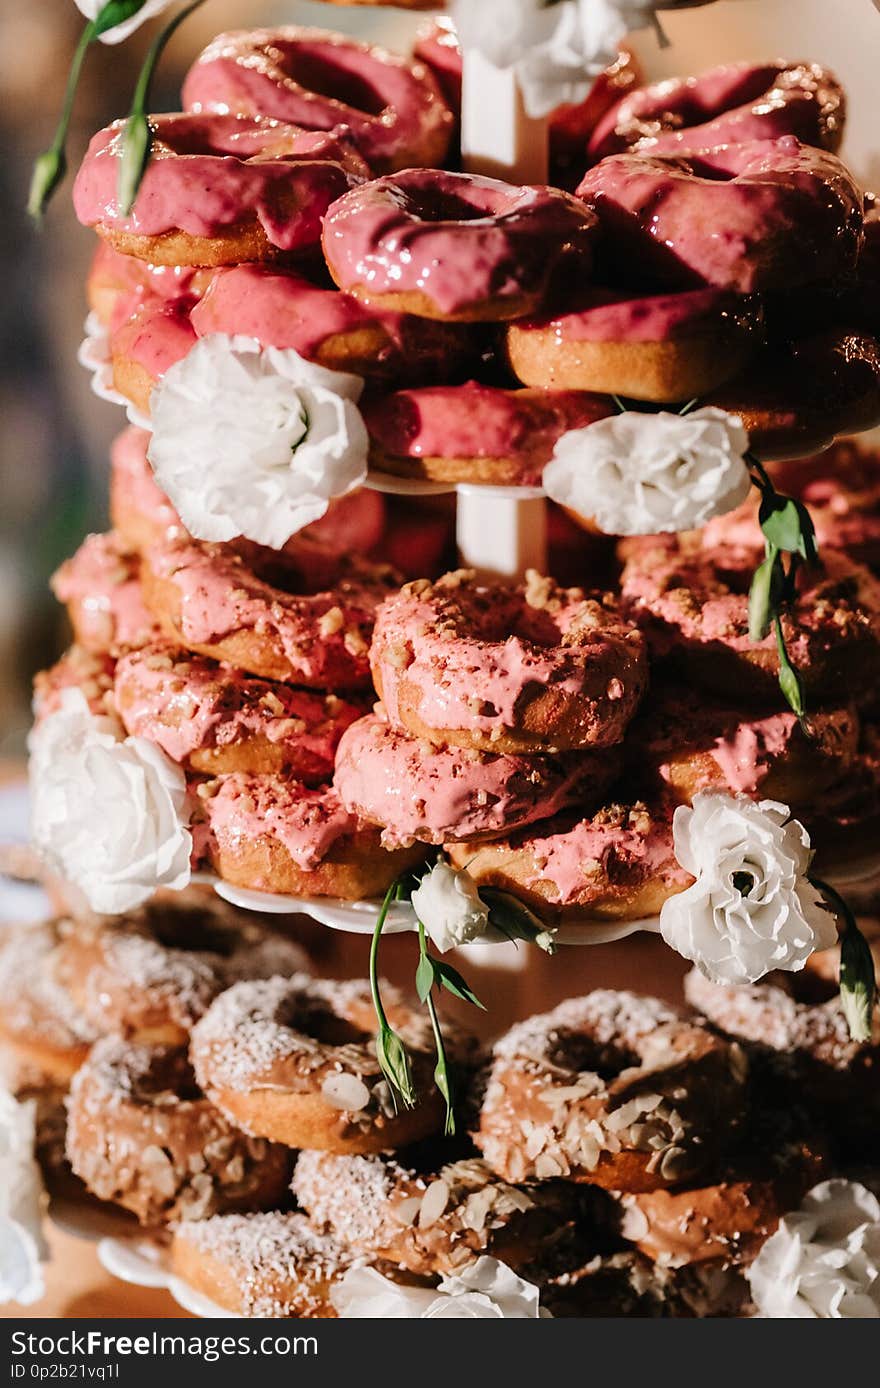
x: 450, y: 908
x: 751, y: 908
x: 823, y: 1262
x: 108, y: 812
x: 254, y: 441
x: 22, y: 1201
x: 643, y: 474
x: 149, y: 9
x: 485, y: 1290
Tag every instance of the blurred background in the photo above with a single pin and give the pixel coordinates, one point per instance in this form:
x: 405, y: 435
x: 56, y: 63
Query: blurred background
x: 54, y: 434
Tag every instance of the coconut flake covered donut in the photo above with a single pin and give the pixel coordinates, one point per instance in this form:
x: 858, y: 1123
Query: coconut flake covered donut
x: 427, y: 1217
x: 415, y: 791
x: 100, y: 586
x: 263, y: 1266
x: 691, y: 746
x: 273, y: 834
x: 41, y: 1026
x: 474, y: 433
x: 212, y: 600
x: 213, y: 719
x: 281, y: 309
x: 613, y: 1089
x: 294, y: 1060
x: 218, y: 189
x: 617, y: 864
x: 454, y: 246
x: 140, y: 1134
x: 661, y: 347
x: 391, y: 108
x: 727, y: 105
x: 791, y: 215
x: 143, y: 347
x: 693, y: 605
x: 507, y: 669
x: 150, y: 976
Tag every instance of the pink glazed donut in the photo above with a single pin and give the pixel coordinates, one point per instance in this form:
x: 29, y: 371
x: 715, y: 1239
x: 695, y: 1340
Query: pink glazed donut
x: 727, y: 105
x: 453, y: 246
x: 391, y: 107
x: 143, y: 347
x: 764, y: 215
x: 218, y: 189
x: 414, y: 791
x: 100, y: 586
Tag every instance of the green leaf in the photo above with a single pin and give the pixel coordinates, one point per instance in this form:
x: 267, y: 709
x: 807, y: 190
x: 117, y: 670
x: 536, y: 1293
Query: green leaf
x: 858, y: 983
x: 450, y: 979
x: 780, y: 520
x: 136, y: 145
x: 116, y: 12
x: 49, y: 171
x: 789, y: 679
x: 763, y: 595
x: 394, y: 1062
x: 425, y: 976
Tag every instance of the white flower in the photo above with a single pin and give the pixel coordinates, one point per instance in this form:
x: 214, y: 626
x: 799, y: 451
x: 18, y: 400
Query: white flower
x: 22, y: 1245
x: 640, y: 474
x: 485, y: 1290
x: 751, y: 908
x: 449, y: 906
x: 107, y: 811
x: 254, y: 441
x: 150, y: 8
x: 823, y: 1262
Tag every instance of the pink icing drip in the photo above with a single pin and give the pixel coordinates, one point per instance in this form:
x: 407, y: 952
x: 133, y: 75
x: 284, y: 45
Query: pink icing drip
x: 124, y: 272
x: 155, y: 337
x: 626, y: 855
x: 102, y: 581
x: 306, y: 822
x: 743, y: 758
x: 607, y: 315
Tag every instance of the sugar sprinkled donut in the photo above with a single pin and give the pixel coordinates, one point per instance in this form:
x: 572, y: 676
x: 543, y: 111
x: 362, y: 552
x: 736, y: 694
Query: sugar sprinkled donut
x: 268, y: 1266
x: 41, y: 1025
x: 507, y: 669
x: 474, y: 433
x: 100, y: 586
x: 662, y: 347
x: 213, y: 600
x: 726, y: 105
x: 150, y: 976
x: 415, y: 791
x: 612, y: 1089
x: 141, y: 1135
x: 791, y: 215
x: 454, y: 246
x: 614, y: 864
x: 693, y: 605
x: 273, y: 834
x: 294, y: 1060
x: 391, y: 107
x: 219, y: 189
x: 215, y: 720
x: 429, y: 1217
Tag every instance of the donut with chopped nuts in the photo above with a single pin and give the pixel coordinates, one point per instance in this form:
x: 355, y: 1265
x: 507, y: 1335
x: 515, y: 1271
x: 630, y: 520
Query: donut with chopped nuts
x: 214, y: 600
x: 274, y: 834
x: 294, y: 1060
x: 142, y: 1135
x: 91, y: 672
x: 213, y: 719
x: 150, y: 976
x: 100, y: 585
x: 428, y: 1218
x: 507, y: 668
x: 263, y: 1266
x: 612, y: 1089
x: 42, y: 1028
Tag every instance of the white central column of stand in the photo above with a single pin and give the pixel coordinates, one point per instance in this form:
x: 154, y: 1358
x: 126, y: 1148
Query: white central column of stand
x: 500, y: 534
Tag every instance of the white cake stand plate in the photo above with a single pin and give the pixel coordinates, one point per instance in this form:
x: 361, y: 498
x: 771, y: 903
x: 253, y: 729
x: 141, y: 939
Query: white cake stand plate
x: 142, y: 1264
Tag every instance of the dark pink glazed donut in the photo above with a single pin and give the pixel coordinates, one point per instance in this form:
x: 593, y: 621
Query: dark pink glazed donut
x: 453, y: 246
x: 219, y: 189
x: 282, y: 309
x: 143, y: 347
x: 414, y: 791
x: 764, y: 215
x: 727, y: 105
x: 319, y: 80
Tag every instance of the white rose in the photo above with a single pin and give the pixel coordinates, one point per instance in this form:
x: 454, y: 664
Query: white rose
x: 254, y: 441
x: 107, y: 811
x: 641, y: 474
x: 92, y: 8
x: 22, y: 1201
x: 751, y: 908
x: 449, y: 906
x: 823, y: 1262
x: 486, y: 1290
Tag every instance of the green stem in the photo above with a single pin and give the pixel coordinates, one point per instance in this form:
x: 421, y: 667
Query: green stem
x: 374, y: 953
x: 51, y: 166
x: 86, y: 39
x: 154, y: 53
x: 441, y: 1073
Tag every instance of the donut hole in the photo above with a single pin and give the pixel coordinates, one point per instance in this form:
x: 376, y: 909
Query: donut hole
x: 159, y: 1075
x: 318, y: 1022
x: 195, y: 934
x: 581, y: 1052
x: 442, y: 205
x: 317, y: 72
